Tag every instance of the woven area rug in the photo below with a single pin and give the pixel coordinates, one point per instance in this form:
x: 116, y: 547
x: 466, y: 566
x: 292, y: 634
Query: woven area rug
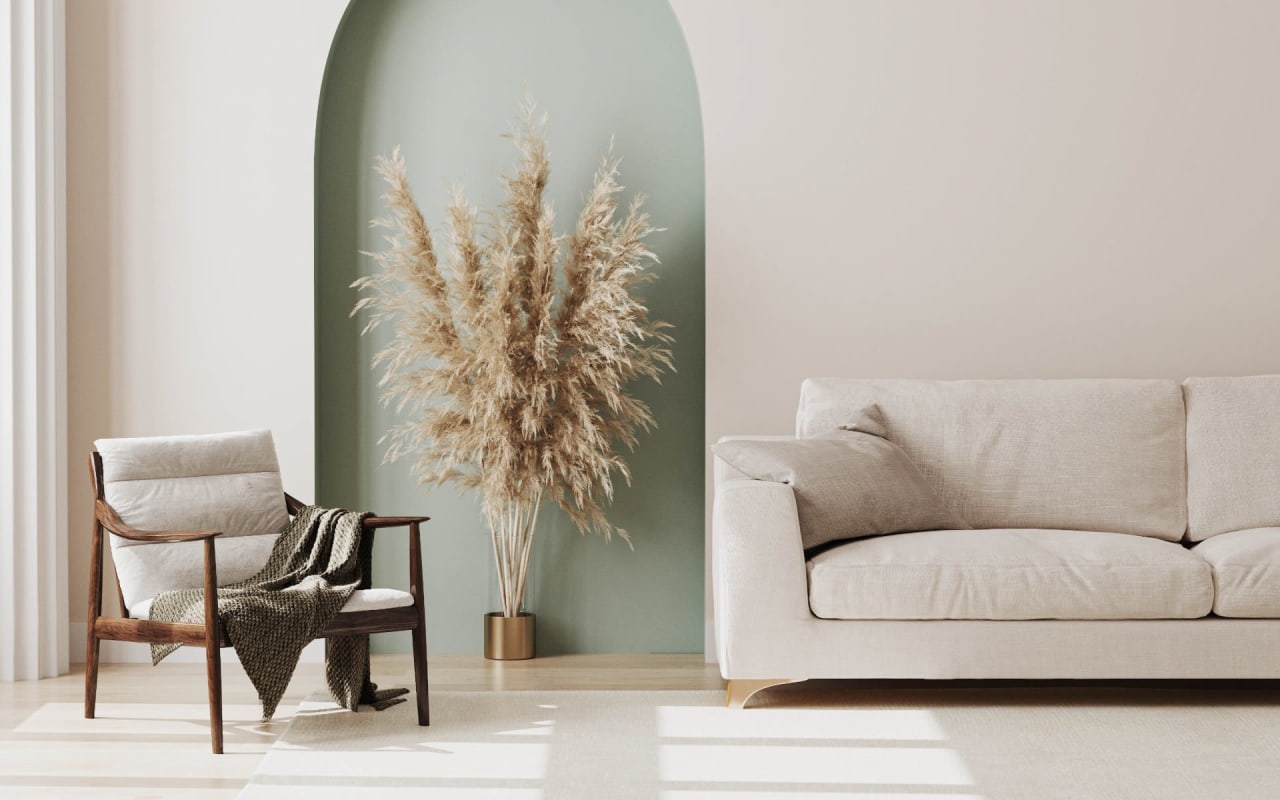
x: 807, y: 741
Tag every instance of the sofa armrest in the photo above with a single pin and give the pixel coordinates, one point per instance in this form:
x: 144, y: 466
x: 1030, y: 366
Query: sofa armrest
x: 760, y: 584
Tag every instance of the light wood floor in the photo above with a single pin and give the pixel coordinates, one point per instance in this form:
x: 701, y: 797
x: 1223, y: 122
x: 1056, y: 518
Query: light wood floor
x: 151, y: 737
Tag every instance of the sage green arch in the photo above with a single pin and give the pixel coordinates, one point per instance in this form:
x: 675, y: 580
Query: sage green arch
x: 442, y: 79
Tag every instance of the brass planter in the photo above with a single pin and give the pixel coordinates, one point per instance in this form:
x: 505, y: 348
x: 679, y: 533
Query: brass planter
x: 508, y: 638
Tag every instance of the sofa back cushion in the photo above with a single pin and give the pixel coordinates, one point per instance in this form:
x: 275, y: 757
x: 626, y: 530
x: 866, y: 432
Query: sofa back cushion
x: 1098, y: 455
x: 228, y: 482
x: 1233, y: 454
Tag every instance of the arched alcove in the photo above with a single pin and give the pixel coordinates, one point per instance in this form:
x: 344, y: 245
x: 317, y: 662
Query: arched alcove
x: 443, y: 80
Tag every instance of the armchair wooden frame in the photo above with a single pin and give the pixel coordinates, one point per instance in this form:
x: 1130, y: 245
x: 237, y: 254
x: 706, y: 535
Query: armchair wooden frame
x: 209, y: 634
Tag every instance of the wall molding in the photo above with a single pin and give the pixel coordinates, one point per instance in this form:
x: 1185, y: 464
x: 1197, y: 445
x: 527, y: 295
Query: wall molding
x: 33, y: 400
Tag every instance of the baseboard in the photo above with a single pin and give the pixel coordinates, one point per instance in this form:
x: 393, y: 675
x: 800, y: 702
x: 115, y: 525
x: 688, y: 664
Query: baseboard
x: 136, y: 653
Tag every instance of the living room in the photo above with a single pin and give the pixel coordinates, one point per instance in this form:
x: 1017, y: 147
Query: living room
x: 1053, y: 192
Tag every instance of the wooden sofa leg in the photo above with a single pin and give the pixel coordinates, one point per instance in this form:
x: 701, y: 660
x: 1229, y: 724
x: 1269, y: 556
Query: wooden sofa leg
x: 739, y: 691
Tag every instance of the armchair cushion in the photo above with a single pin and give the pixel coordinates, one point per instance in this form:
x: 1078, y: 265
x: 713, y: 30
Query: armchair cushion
x: 227, y: 482
x: 360, y: 600
x: 848, y: 485
x: 147, y: 570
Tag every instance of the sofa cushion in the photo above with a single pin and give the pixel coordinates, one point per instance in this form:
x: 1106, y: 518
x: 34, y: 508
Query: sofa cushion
x: 1096, y: 455
x: 1233, y: 454
x: 1246, y: 572
x: 847, y: 485
x: 1009, y: 574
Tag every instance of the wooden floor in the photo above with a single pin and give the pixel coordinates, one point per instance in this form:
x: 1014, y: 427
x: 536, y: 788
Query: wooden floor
x: 151, y: 737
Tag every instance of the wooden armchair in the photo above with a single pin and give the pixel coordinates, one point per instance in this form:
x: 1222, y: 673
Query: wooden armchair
x: 165, y: 501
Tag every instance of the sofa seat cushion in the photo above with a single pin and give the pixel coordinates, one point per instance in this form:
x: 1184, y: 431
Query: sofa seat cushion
x: 360, y: 600
x: 1246, y: 572
x: 1009, y: 574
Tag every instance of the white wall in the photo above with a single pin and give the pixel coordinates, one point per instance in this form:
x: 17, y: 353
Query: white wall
x: 190, y: 147
x: 993, y: 188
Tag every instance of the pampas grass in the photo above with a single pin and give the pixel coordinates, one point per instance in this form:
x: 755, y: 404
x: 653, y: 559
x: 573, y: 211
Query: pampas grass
x: 512, y: 358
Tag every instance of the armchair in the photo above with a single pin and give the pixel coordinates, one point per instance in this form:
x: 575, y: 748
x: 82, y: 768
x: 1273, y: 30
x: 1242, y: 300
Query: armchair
x: 204, y: 511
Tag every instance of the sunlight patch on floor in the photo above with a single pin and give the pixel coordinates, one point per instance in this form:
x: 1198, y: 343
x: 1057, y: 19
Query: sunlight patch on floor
x: 694, y: 722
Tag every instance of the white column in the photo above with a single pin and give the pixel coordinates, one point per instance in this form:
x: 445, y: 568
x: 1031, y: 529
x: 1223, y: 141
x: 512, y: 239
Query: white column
x: 33, y: 498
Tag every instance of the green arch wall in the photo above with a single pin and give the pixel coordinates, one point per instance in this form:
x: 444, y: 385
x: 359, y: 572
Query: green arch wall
x: 442, y: 79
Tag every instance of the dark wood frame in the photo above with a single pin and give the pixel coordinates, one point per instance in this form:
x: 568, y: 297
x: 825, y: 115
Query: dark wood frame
x: 209, y: 635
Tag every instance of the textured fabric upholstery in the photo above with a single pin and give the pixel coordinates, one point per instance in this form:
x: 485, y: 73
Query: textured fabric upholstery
x: 1093, y: 455
x: 147, y: 570
x: 1233, y: 454
x: 1009, y: 574
x: 765, y: 629
x: 1246, y: 572
x: 360, y: 600
x: 847, y: 486
x: 228, y: 482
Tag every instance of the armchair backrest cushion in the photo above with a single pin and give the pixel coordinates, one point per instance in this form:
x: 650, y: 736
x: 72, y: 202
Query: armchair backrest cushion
x: 1096, y: 455
x: 228, y: 482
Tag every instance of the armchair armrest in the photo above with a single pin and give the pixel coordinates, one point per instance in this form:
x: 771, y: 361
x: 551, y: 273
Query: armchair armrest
x: 110, y: 520
x: 373, y: 523
x: 294, y: 505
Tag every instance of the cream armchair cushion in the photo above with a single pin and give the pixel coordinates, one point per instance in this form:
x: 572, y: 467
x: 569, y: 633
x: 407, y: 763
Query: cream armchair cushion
x: 228, y: 482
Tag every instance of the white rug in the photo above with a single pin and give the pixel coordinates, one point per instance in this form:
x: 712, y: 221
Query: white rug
x: 809, y: 741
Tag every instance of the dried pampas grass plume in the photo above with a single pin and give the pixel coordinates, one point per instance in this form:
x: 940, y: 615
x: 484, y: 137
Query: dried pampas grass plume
x: 511, y: 360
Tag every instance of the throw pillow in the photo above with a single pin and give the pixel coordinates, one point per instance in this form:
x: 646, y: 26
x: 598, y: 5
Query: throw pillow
x: 849, y: 485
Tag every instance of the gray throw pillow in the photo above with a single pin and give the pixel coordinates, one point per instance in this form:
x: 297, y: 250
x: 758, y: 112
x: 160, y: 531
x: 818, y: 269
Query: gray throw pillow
x: 848, y: 485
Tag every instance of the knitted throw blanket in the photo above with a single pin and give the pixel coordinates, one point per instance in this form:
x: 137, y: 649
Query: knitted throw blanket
x: 315, y: 565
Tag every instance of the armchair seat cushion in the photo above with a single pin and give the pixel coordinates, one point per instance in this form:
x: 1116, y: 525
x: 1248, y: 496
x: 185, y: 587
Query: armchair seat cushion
x: 360, y: 600
x: 1009, y: 574
x: 1246, y: 572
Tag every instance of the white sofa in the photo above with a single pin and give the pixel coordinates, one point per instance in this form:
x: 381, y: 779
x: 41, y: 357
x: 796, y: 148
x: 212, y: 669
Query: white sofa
x: 1122, y: 529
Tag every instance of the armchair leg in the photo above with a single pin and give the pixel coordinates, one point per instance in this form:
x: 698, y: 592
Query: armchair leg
x: 213, y: 667
x: 91, y: 673
x: 213, y: 646
x: 739, y: 691
x: 419, y: 630
x: 420, y: 673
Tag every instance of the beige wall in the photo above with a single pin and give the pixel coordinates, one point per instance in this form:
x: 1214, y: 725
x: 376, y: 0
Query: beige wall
x: 190, y: 146
x: 893, y: 188
x: 984, y: 189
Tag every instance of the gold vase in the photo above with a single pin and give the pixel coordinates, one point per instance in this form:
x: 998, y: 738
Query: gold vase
x: 508, y: 638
